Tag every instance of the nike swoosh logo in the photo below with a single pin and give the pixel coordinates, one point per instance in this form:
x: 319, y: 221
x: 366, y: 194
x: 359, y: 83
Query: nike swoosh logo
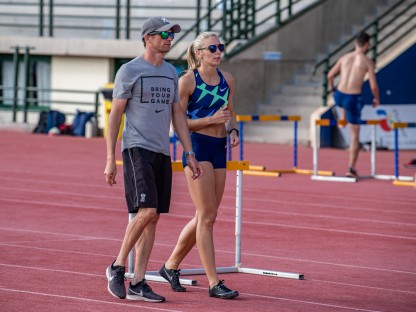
x: 222, y: 90
x: 169, y: 277
x: 137, y: 293
x: 158, y: 110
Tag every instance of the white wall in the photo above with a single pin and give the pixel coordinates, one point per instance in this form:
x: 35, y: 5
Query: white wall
x: 78, y: 73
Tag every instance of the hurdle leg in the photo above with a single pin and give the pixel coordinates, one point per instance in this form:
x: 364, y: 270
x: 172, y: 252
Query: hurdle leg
x: 295, y: 144
x: 238, y: 212
x: 327, y: 177
x: 373, y: 156
x: 396, y: 175
x: 130, y: 259
x: 373, y: 150
x: 237, y: 268
x: 241, y: 139
x: 150, y: 275
x: 315, y: 151
x: 396, y: 153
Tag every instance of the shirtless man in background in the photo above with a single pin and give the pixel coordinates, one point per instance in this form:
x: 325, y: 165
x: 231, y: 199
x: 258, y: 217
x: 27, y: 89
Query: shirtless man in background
x: 353, y: 68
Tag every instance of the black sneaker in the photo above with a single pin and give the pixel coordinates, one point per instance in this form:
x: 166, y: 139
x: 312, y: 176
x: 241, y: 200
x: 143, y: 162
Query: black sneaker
x: 115, y: 276
x: 352, y: 173
x: 172, y: 276
x: 411, y: 164
x: 142, y: 291
x: 223, y: 292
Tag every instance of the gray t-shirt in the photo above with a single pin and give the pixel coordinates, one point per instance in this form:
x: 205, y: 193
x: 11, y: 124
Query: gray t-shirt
x: 151, y: 91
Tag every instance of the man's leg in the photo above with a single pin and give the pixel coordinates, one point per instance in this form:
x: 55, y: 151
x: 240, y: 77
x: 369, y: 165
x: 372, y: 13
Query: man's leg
x: 116, y: 271
x: 134, y: 230
x: 354, y: 145
x: 138, y: 288
x: 144, y: 246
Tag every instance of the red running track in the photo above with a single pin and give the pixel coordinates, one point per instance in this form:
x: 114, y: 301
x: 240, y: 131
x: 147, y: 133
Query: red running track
x: 61, y: 226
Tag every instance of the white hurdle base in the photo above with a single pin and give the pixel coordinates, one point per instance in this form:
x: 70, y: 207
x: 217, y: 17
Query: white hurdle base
x: 392, y: 177
x: 353, y: 180
x: 154, y: 275
x: 233, y: 269
x: 333, y: 178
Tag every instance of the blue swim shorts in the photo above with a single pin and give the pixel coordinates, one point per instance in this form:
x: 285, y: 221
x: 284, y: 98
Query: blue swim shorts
x: 208, y: 148
x: 352, y: 103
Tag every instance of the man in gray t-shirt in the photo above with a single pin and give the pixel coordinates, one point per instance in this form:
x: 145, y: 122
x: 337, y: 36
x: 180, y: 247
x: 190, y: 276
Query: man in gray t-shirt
x: 150, y: 91
x: 146, y: 90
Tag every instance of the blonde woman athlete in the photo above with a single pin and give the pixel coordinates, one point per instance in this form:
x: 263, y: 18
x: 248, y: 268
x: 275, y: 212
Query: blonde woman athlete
x: 206, y: 94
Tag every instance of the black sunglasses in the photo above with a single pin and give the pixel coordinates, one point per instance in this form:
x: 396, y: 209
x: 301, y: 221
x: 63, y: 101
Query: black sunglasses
x: 164, y: 34
x: 213, y: 48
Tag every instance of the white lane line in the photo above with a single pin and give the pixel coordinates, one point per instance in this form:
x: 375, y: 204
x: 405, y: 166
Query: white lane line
x: 297, y: 227
x: 310, y: 215
x: 311, y: 303
x: 218, y: 251
x: 202, y: 288
x: 15, y: 266
x: 44, y: 203
x: 362, y: 286
x: 329, y: 230
x: 136, y: 306
x: 319, y: 262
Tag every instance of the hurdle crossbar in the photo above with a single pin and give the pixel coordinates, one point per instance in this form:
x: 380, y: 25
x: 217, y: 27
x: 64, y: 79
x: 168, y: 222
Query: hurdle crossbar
x: 331, y: 122
x: 239, y: 167
x: 295, y: 119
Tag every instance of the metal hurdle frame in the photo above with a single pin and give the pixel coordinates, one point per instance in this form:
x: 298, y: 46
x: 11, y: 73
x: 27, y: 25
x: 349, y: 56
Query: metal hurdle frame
x: 239, y: 166
x: 247, y: 118
x: 398, y: 179
x: 332, y: 122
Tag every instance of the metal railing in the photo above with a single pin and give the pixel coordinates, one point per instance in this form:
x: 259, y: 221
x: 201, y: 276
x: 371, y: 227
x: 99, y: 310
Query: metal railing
x: 384, y: 32
x: 33, y: 104
x: 244, y: 21
x: 111, y: 19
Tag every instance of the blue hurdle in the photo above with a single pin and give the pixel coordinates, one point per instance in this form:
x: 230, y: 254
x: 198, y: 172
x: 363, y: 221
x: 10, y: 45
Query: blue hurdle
x: 332, y: 122
x: 295, y: 119
x: 396, y: 126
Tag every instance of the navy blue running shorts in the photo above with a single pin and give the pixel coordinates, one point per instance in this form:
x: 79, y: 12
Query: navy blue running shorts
x: 208, y: 148
x: 147, y: 179
x: 352, y: 103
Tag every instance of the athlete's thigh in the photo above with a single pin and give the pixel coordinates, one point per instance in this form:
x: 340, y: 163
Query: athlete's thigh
x: 220, y: 176
x: 203, y: 190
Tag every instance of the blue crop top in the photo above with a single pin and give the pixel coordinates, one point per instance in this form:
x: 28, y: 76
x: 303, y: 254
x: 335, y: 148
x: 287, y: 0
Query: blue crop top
x: 206, y: 99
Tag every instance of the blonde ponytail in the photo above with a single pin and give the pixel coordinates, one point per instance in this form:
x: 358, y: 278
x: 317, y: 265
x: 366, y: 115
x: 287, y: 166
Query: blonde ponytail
x: 193, y: 61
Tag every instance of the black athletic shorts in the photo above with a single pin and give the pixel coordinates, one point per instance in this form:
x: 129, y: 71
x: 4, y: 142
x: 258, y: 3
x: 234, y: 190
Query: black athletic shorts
x: 147, y: 179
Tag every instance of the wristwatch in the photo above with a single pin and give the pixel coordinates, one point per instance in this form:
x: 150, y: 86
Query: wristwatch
x: 189, y: 153
x: 236, y: 131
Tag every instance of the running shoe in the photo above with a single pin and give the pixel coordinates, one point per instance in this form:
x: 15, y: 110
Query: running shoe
x: 115, y: 276
x: 142, y: 291
x: 352, y: 173
x: 411, y: 164
x: 223, y: 292
x: 172, y: 276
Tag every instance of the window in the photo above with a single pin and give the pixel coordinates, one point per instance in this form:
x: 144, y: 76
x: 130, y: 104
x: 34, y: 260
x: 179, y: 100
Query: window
x: 38, y: 81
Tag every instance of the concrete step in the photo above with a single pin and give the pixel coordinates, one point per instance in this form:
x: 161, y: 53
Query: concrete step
x: 299, y: 89
x: 308, y: 79
x: 289, y: 101
x: 275, y: 132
